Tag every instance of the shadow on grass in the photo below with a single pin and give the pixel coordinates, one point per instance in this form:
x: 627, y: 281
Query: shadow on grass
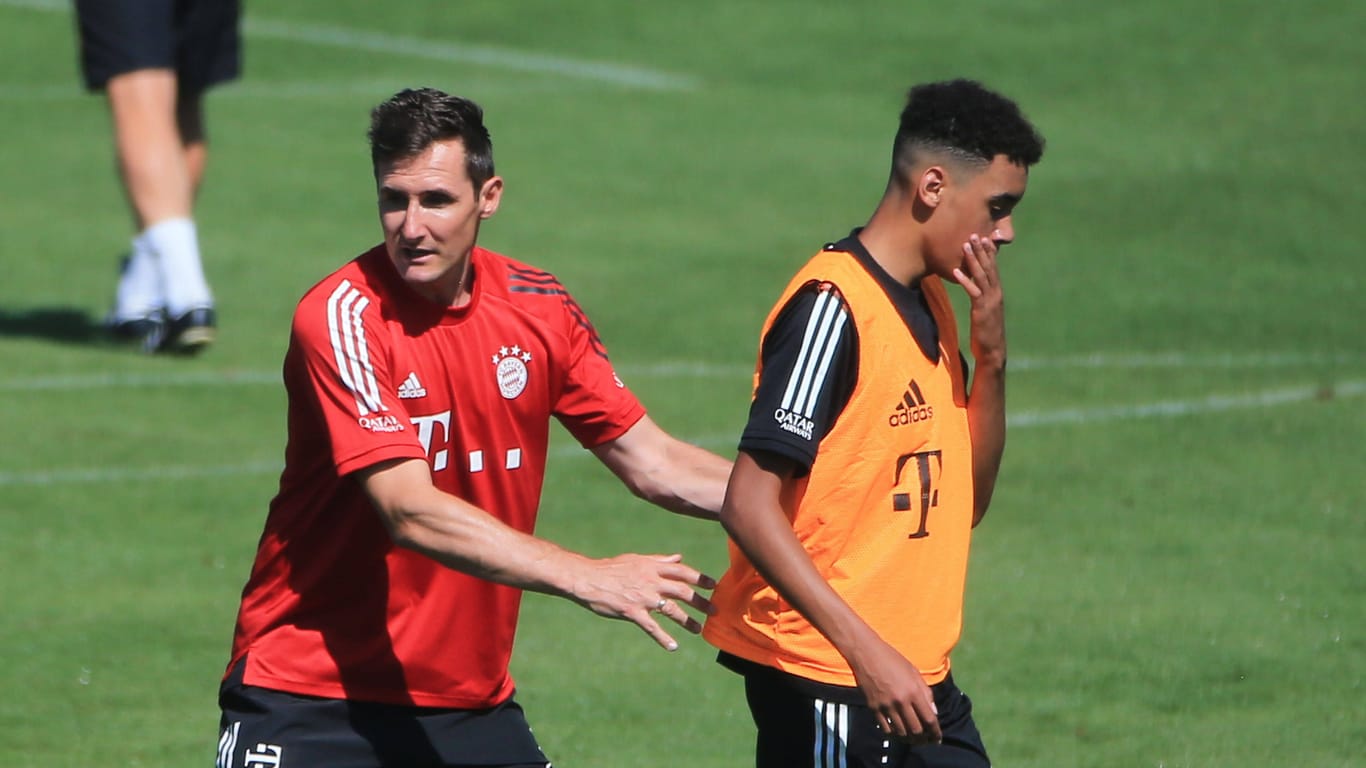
x: 67, y: 325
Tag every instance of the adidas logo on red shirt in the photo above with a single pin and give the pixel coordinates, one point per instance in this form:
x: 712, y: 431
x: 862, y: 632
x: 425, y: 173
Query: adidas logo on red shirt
x: 411, y: 388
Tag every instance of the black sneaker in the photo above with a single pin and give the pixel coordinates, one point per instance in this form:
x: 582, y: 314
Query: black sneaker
x: 148, y: 332
x: 189, y: 333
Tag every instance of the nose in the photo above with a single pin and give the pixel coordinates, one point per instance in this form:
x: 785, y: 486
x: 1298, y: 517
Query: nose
x: 1004, y: 232
x: 412, y: 229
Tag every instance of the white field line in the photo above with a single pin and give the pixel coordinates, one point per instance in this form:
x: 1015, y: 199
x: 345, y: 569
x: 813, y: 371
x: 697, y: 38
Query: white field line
x: 76, y: 382
x: 1266, y: 398
x: 349, y: 39
x: 1061, y: 417
x: 1135, y: 360
x: 484, y: 55
x: 291, y: 90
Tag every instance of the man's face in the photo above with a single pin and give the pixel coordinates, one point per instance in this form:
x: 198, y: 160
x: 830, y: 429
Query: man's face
x: 975, y: 201
x: 430, y: 213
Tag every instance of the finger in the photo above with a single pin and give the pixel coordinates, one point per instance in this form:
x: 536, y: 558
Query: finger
x: 680, y: 617
x: 686, y: 574
x: 701, y: 603
x: 929, y: 720
x: 652, y: 628
x: 896, y: 726
x: 971, y: 287
x: 982, y: 263
x: 689, y: 597
x: 929, y: 732
x: 987, y: 261
x: 914, y: 731
x: 682, y: 591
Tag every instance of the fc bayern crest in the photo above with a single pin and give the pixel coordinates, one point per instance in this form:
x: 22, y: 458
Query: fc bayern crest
x: 510, y: 364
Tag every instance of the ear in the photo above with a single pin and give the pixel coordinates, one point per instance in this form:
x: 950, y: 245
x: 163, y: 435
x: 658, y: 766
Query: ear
x: 490, y: 196
x: 929, y: 188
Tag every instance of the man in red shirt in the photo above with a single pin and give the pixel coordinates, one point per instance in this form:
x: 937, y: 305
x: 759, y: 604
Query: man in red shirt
x: 378, y: 620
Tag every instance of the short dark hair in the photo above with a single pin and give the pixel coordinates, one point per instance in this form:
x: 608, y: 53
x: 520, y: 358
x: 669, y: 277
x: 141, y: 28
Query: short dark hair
x: 964, y: 119
x: 412, y: 120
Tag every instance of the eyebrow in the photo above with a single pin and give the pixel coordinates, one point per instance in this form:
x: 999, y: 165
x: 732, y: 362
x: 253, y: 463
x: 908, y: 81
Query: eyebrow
x: 1007, y: 197
x: 385, y: 189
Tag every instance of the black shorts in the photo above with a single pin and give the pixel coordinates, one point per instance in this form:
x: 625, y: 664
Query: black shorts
x: 263, y: 728
x: 198, y: 39
x: 804, y: 724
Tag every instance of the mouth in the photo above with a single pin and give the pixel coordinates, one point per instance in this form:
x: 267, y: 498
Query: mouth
x: 413, y: 254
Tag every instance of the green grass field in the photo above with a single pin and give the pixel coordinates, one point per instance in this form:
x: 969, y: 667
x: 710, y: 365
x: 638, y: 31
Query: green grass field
x: 1174, y: 569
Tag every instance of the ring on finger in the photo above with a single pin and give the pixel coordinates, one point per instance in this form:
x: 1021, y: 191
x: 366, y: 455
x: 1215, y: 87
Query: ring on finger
x: 659, y: 606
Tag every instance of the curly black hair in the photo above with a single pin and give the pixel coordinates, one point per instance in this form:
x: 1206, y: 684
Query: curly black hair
x: 965, y: 120
x: 412, y: 120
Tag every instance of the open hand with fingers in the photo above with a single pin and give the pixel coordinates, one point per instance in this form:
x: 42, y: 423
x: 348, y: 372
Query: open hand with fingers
x: 642, y: 588
x: 897, y: 694
x: 980, y: 278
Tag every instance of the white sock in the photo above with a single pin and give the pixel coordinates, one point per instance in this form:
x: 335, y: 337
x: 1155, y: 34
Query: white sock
x: 139, y: 293
x: 176, y: 243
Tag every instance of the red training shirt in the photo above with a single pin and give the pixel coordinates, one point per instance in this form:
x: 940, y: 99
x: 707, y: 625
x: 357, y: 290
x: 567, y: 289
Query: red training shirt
x: 376, y: 372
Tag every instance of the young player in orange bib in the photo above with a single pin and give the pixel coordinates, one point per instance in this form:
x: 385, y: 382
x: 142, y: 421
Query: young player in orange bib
x: 868, y: 458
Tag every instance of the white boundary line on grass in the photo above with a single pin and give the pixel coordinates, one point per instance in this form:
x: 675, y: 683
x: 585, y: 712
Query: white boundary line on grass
x: 1266, y: 398
x: 1135, y: 360
x: 1061, y: 417
x: 349, y: 39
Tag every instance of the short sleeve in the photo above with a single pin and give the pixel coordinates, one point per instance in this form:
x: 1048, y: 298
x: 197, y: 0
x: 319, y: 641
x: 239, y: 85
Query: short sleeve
x: 594, y: 404
x: 337, y: 364
x: 809, y: 368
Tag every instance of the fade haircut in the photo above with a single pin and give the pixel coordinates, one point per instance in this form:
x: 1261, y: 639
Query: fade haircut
x: 967, y: 122
x: 414, y: 119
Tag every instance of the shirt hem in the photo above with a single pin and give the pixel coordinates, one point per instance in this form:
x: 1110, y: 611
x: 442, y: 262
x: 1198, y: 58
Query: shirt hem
x: 254, y: 677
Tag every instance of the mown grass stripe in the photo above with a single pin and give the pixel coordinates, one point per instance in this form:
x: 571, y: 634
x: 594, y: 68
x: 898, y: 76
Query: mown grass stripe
x: 1060, y: 417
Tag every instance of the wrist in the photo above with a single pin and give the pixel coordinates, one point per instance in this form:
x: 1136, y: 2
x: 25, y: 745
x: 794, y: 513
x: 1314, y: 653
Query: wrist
x: 571, y: 575
x: 989, y: 361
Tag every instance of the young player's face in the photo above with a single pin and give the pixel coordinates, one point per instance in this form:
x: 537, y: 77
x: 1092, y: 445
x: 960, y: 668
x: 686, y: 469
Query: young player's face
x: 975, y: 202
x: 430, y: 213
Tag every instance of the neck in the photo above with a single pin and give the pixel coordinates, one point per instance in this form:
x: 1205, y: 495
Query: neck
x: 892, y: 237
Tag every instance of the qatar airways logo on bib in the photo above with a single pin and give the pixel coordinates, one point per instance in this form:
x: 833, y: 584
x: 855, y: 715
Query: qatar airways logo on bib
x: 510, y: 369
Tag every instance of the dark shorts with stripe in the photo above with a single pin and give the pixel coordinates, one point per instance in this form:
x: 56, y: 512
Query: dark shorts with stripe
x: 198, y: 39
x: 805, y: 724
x: 264, y: 728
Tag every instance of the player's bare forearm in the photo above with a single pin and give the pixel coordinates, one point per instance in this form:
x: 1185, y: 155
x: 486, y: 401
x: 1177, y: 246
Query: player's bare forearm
x: 754, y: 519
x: 666, y: 471
x: 460, y: 535
x: 698, y: 484
x: 465, y: 538
x: 987, y: 430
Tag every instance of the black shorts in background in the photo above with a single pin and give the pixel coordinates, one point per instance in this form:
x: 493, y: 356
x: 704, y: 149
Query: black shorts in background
x: 261, y: 727
x: 198, y: 39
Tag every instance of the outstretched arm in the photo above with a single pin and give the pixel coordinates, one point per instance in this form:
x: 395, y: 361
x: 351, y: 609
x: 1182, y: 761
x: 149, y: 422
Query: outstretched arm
x: 463, y: 537
x: 666, y: 471
x: 755, y: 520
x: 987, y: 400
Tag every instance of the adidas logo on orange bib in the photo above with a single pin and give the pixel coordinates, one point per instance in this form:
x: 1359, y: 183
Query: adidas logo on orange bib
x: 911, y: 409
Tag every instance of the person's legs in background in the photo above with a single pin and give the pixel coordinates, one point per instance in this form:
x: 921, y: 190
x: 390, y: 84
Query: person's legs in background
x: 160, y: 145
